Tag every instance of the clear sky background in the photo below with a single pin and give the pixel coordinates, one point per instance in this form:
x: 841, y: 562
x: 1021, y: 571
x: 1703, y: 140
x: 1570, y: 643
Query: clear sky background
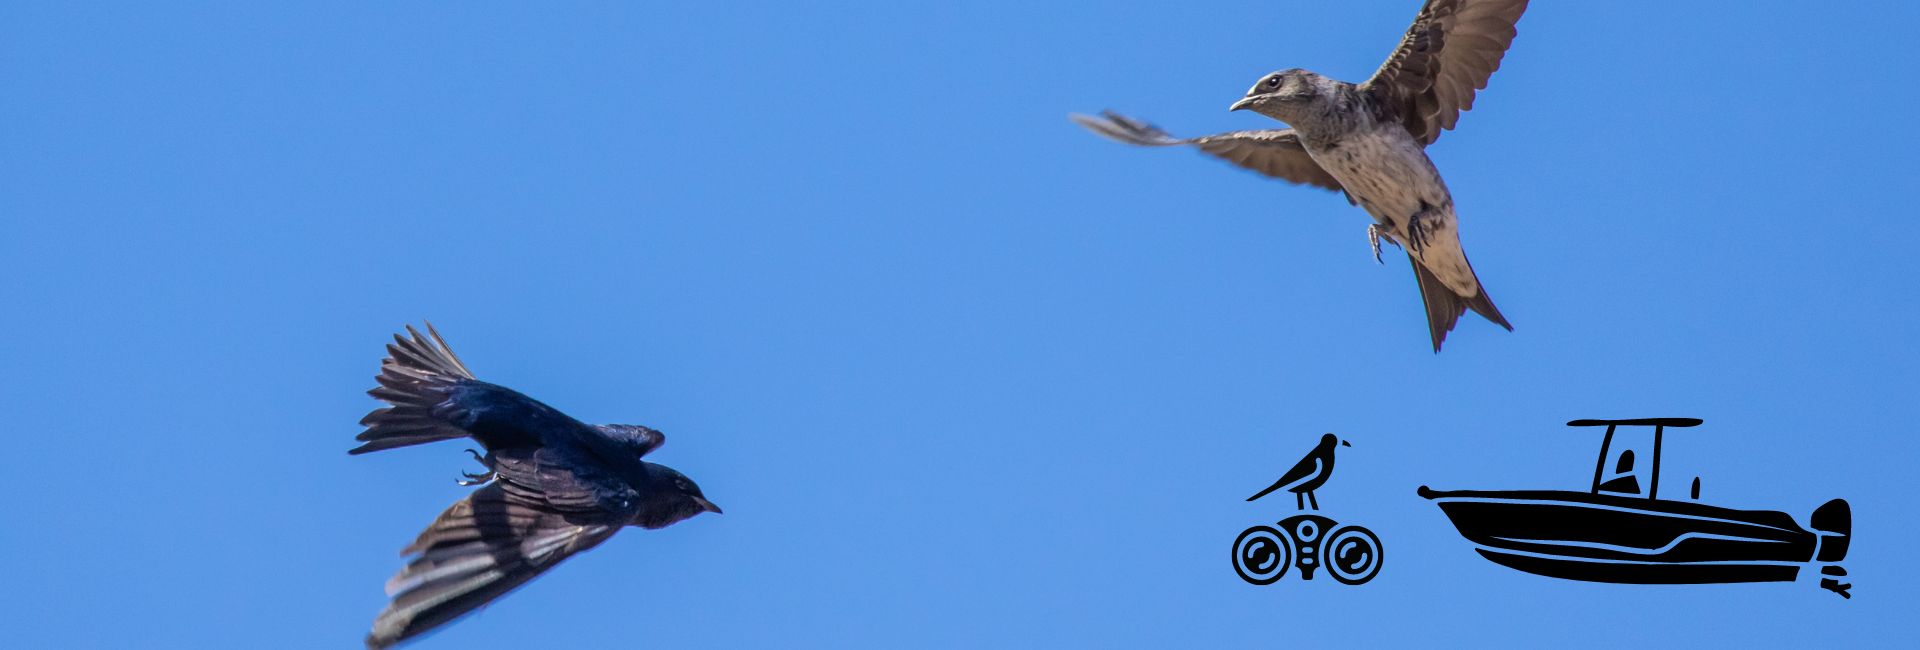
x: 961, y: 373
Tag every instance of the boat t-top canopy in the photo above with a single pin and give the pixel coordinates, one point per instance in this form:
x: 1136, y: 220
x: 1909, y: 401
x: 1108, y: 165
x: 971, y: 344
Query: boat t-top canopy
x: 1639, y: 422
x: 1606, y: 445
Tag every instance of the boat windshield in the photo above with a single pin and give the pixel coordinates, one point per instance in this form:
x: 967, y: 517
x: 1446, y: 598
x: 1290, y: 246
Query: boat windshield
x: 1620, y: 469
x: 1622, y: 480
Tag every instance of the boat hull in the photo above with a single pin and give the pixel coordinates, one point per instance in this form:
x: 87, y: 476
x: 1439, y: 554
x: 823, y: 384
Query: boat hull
x: 1623, y: 539
x: 1644, y: 573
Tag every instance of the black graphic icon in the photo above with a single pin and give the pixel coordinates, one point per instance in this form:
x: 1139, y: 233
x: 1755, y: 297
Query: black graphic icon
x: 1351, y: 554
x: 1308, y: 474
x: 1617, y: 532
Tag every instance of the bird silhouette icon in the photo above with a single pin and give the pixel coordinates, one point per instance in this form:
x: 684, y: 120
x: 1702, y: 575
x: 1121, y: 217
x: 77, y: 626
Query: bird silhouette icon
x: 1308, y: 474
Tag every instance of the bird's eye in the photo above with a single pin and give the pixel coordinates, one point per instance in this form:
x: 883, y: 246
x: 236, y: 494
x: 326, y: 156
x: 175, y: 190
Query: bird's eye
x: 1273, y: 82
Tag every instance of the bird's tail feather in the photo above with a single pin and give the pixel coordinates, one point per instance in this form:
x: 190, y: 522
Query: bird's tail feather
x: 415, y: 379
x: 1268, y: 491
x: 1444, y: 307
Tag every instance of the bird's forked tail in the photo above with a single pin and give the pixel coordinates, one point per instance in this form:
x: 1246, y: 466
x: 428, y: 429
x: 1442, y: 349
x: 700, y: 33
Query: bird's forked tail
x: 1444, y: 307
x: 416, y: 378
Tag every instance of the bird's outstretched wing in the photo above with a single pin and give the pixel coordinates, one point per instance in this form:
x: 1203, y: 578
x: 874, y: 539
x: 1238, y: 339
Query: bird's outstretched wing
x: 434, y: 397
x: 496, y: 539
x: 1446, y: 56
x: 640, y: 440
x: 1276, y: 152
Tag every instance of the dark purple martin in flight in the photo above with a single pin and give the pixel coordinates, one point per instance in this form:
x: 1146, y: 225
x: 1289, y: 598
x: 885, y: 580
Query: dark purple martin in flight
x: 554, y: 486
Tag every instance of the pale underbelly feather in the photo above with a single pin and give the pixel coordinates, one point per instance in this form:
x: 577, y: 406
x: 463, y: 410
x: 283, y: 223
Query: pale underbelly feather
x: 1390, y: 176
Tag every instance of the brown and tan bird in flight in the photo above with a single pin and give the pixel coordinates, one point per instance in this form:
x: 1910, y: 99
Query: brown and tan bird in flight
x: 1369, y: 141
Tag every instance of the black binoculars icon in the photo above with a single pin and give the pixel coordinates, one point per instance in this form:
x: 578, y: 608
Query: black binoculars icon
x: 1351, y: 554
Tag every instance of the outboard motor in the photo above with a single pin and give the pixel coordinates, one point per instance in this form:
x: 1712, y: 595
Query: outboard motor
x: 1833, y: 526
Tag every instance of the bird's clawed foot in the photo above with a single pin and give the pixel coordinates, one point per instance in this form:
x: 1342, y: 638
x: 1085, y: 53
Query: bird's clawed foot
x: 473, y: 479
x: 1417, y: 232
x: 1373, y: 239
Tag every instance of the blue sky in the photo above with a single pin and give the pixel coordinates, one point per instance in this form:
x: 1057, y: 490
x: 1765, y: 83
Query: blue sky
x: 961, y: 373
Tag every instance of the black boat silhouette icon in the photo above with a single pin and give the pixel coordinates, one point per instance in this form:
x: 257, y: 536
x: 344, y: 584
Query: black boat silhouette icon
x: 1617, y: 533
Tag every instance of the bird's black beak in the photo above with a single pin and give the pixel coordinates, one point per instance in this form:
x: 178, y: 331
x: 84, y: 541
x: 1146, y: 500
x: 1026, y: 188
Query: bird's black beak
x: 708, y: 505
x: 1344, y: 443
